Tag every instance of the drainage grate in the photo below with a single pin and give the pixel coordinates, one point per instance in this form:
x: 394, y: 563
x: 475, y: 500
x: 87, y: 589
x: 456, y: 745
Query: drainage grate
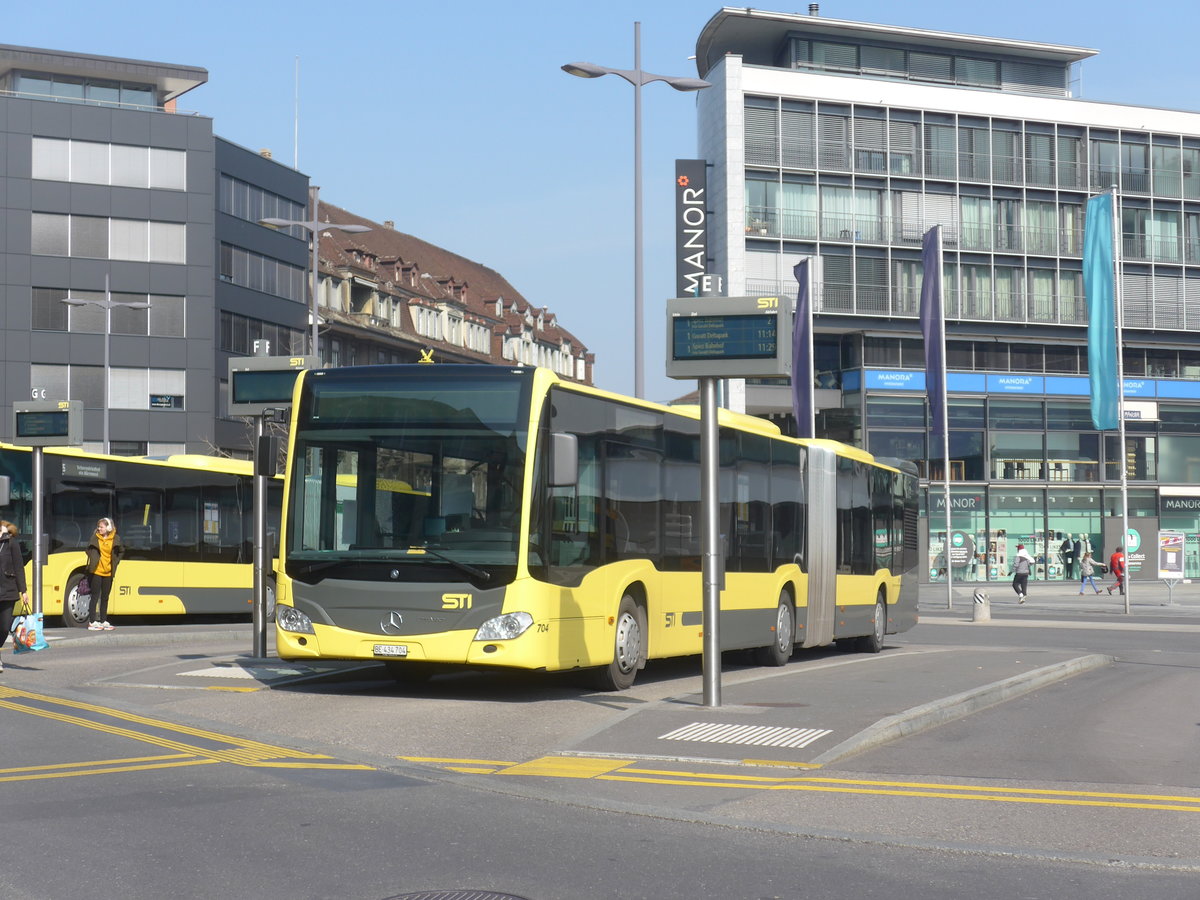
x: 759, y: 735
x: 455, y: 895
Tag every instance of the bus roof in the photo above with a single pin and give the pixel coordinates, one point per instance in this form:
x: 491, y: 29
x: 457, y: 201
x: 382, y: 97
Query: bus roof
x: 195, y: 461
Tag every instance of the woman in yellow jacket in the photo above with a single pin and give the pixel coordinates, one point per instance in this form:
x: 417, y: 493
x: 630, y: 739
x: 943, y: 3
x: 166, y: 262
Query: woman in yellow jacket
x: 104, y: 552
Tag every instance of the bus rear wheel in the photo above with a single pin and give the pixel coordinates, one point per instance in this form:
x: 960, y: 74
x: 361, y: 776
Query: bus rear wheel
x: 779, y: 651
x: 75, y: 605
x: 629, y: 648
x: 873, y: 642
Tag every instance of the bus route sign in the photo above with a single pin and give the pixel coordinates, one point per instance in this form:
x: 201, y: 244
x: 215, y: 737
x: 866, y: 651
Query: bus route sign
x: 728, y: 337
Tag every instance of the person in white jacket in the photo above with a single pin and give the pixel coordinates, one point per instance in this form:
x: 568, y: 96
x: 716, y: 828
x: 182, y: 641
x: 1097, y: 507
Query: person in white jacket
x: 1022, y: 565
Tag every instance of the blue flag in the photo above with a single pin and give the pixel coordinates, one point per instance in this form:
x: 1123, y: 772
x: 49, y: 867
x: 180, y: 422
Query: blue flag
x: 1102, y: 329
x: 802, y: 362
x: 933, y: 327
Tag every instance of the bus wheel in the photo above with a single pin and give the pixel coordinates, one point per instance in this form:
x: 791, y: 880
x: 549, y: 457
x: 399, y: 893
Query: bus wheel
x: 75, y: 605
x: 629, y: 648
x: 779, y: 651
x: 873, y: 642
x: 269, y: 591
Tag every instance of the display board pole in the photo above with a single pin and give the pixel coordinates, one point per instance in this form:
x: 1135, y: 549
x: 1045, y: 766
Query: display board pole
x: 39, y: 539
x: 260, y: 538
x: 710, y: 536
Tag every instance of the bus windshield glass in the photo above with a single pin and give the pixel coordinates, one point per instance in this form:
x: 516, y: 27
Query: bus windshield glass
x: 418, y: 469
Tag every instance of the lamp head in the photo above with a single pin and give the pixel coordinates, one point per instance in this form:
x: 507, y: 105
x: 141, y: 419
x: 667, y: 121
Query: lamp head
x: 688, y: 84
x: 584, y: 70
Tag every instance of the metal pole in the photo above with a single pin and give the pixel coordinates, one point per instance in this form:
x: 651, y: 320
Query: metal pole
x: 313, y: 192
x: 639, y: 383
x: 945, y: 432
x: 710, y: 536
x: 107, y: 373
x: 39, y: 544
x: 259, y: 649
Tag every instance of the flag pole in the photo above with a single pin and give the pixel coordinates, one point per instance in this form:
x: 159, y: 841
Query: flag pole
x: 1120, y: 325
x: 945, y: 424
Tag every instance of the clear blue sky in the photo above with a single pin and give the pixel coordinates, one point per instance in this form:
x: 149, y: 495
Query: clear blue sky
x: 453, y: 119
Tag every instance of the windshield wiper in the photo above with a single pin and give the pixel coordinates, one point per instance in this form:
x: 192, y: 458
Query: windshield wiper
x: 461, y: 566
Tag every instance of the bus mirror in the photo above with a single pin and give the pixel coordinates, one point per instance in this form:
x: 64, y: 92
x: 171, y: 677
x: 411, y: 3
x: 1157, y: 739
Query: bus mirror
x: 4, y: 490
x: 564, y: 460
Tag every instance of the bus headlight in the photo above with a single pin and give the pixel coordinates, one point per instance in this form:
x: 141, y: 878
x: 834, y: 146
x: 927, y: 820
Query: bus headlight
x: 505, y: 627
x: 291, y: 619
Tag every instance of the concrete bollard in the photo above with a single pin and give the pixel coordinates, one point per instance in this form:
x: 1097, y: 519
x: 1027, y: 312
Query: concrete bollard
x: 983, y: 607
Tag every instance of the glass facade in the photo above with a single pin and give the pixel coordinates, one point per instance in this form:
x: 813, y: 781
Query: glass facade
x: 858, y: 185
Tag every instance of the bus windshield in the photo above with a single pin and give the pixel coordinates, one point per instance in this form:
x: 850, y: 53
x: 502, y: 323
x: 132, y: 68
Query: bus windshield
x: 420, y: 474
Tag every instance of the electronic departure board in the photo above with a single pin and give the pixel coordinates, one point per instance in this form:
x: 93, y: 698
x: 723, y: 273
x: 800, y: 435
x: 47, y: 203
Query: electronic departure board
x: 728, y: 337
x: 259, y: 383
x: 48, y: 423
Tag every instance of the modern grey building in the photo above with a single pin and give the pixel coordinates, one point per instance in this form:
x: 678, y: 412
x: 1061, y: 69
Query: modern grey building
x: 845, y: 142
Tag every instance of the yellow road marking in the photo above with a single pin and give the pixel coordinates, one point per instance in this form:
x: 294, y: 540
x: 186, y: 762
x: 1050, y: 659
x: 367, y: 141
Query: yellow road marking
x: 108, y: 770
x: 95, y: 762
x: 237, y: 751
x: 624, y: 770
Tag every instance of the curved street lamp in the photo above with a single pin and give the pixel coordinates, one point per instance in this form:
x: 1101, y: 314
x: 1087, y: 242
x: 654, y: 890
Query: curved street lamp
x: 314, y: 228
x: 637, y: 77
x: 107, y: 304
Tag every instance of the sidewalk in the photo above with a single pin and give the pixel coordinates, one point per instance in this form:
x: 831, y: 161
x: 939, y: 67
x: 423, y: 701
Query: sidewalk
x: 1146, y: 598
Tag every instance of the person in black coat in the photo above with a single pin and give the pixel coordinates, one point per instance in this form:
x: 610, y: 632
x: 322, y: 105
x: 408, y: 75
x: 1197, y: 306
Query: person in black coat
x: 12, y: 579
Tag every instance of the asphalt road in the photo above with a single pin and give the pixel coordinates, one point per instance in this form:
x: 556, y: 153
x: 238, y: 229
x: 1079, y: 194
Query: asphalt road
x: 1050, y: 752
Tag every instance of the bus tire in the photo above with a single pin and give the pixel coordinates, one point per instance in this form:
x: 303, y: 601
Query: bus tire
x: 629, y: 648
x: 873, y: 642
x: 75, y: 607
x: 779, y: 651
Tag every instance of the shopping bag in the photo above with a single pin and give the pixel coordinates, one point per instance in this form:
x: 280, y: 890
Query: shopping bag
x: 28, y: 634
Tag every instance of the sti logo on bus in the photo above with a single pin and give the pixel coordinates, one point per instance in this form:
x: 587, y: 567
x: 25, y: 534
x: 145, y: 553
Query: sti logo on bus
x: 768, y: 302
x: 456, y: 601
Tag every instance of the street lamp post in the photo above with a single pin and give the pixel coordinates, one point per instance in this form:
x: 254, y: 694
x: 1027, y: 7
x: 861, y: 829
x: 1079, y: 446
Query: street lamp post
x: 107, y: 305
x: 637, y: 78
x: 314, y: 228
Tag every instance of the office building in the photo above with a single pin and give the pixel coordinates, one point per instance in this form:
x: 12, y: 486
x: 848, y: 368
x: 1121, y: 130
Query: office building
x: 845, y: 142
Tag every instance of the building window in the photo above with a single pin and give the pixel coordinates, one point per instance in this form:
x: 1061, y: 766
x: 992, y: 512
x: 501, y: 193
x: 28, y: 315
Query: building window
x: 89, y: 162
x: 93, y: 237
x: 261, y: 273
x: 164, y: 318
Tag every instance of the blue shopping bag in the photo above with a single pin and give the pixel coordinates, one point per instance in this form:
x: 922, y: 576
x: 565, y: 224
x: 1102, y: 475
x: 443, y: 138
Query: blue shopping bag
x: 28, y: 634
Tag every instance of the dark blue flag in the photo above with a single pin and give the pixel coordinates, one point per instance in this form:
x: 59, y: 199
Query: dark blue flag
x: 802, y: 361
x: 933, y: 327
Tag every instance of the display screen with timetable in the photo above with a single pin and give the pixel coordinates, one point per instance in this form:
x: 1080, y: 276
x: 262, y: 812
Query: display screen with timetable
x: 753, y: 336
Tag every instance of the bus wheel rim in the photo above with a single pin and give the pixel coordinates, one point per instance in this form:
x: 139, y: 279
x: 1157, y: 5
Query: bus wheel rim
x: 783, y: 627
x: 628, y: 642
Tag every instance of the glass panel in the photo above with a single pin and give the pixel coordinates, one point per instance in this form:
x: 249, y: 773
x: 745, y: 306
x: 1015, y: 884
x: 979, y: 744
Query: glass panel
x: 129, y: 239
x: 166, y: 317
x: 125, y: 319
x: 87, y: 385
x: 1017, y: 456
x: 168, y: 242
x: 168, y: 169
x: 130, y: 166
x: 1072, y: 457
x: 1005, y: 413
x: 89, y: 162
x: 49, y: 234
x: 89, y: 237
x: 51, y: 159
x: 130, y: 389
x: 104, y: 93
x: 49, y: 312
x: 137, y: 95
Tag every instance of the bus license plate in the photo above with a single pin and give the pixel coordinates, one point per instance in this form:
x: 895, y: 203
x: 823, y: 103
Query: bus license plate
x: 391, y: 650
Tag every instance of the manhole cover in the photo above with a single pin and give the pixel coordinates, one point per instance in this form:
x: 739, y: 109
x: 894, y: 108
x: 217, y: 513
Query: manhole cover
x: 455, y: 895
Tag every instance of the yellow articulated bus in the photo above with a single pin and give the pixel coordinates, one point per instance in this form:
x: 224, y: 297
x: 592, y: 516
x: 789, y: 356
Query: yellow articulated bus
x: 477, y: 516
x: 186, y: 522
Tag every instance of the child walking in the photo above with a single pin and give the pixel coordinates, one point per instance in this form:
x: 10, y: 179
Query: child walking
x: 1087, y: 571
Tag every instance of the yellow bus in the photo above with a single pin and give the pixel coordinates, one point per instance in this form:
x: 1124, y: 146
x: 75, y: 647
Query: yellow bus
x: 186, y: 522
x: 546, y: 525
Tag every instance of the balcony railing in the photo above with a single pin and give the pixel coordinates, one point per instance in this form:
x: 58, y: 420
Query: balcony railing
x: 771, y: 222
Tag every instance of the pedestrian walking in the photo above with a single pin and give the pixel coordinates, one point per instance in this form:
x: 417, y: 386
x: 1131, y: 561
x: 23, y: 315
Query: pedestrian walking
x: 1087, y: 572
x: 1116, y: 565
x: 1022, y: 565
x: 12, y: 579
x: 104, y: 552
